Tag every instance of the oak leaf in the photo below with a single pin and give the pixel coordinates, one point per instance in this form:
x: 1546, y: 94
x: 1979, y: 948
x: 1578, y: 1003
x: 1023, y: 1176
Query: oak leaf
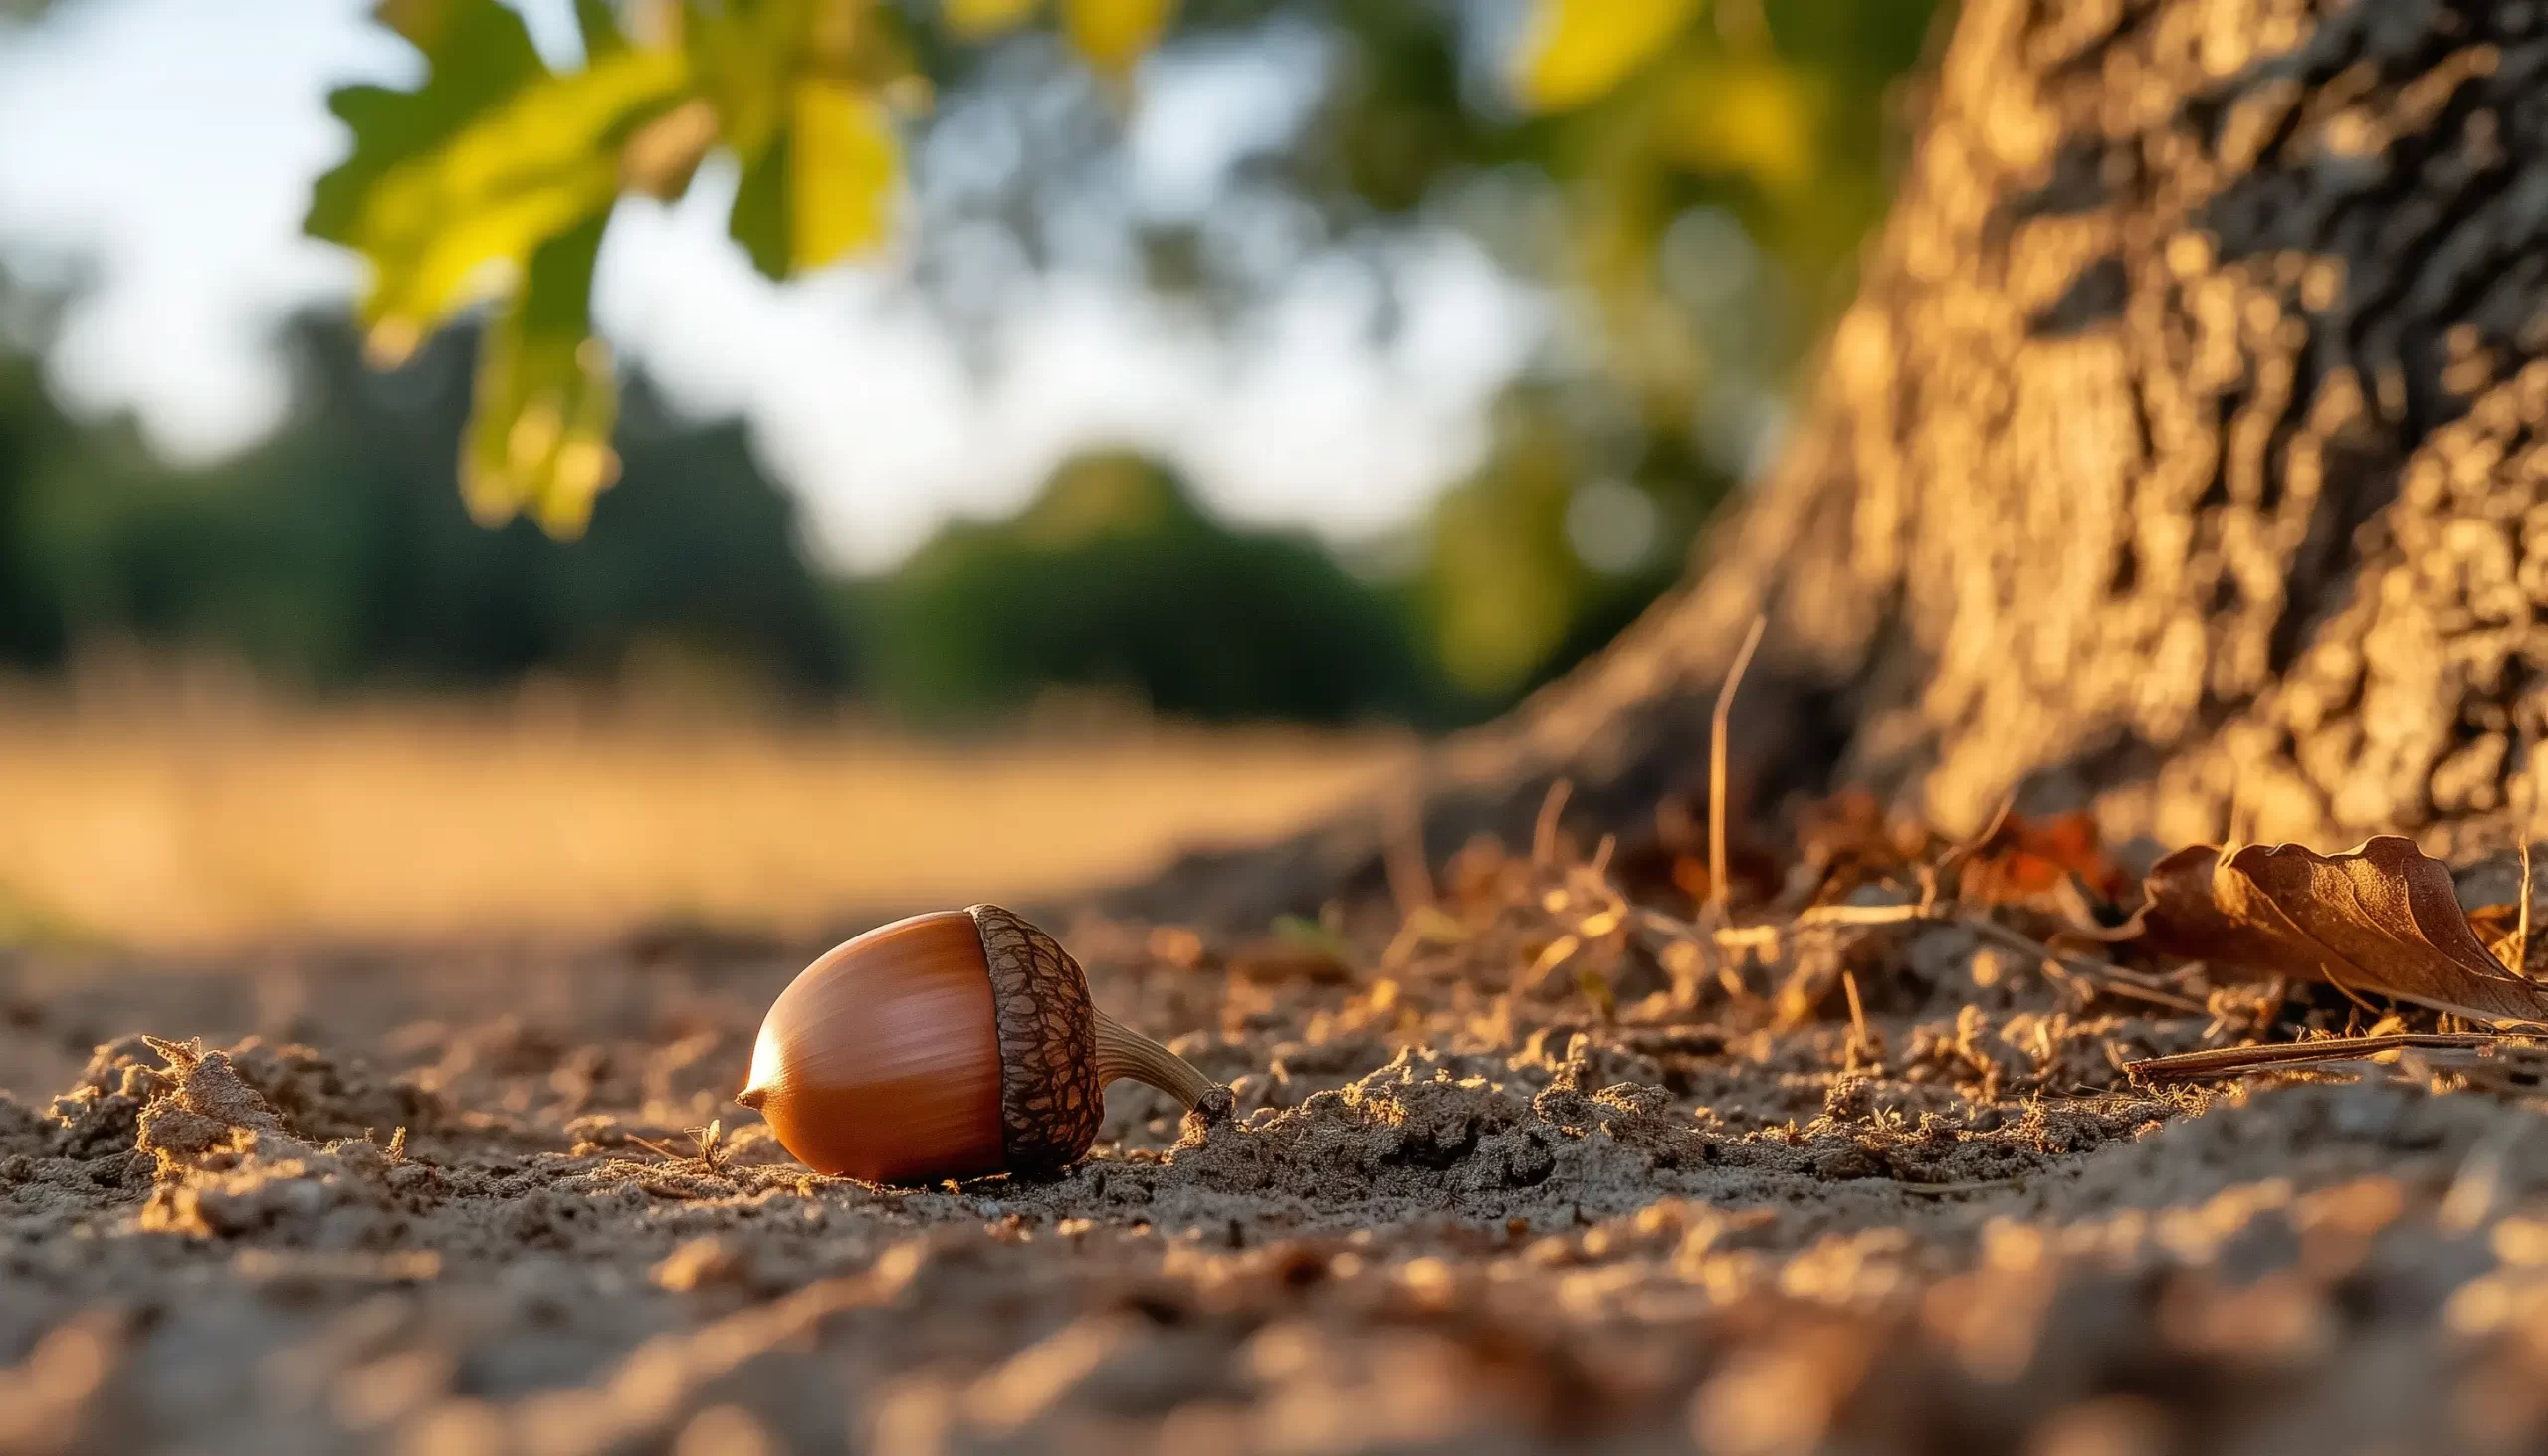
x: 2381, y: 920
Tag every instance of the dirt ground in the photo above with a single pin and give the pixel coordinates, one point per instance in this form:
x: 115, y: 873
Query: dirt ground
x: 447, y: 1204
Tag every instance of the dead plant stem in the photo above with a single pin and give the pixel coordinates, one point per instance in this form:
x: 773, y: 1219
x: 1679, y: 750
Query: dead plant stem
x: 1717, y: 889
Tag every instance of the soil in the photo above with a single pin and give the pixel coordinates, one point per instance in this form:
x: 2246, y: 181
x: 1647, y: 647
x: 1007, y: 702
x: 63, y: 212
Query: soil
x: 449, y: 1203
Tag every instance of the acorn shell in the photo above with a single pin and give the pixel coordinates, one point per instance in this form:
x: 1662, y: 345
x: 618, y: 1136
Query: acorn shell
x: 881, y: 1060
x: 948, y: 1045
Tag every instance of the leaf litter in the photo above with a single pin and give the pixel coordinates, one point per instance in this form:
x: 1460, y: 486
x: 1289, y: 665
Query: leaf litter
x: 1904, y: 1153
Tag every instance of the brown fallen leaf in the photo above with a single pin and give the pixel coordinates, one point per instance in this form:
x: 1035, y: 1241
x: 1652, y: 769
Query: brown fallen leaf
x: 2381, y: 920
x: 2025, y: 859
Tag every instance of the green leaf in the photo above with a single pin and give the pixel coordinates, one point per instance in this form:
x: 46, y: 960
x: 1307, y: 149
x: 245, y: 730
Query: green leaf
x: 824, y: 187
x: 538, y: 436
x: 599, y: 25
x: 477, y: 53
x: 796, y: 86
x: 437, y: 225
x: 758, y: 219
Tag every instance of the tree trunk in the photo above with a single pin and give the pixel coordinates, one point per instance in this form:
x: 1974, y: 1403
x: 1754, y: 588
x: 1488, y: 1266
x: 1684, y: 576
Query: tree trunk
x: 2182, y: 456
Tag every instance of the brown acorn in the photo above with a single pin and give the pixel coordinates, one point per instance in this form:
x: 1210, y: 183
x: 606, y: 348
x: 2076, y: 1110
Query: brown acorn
x: 949, y: 1045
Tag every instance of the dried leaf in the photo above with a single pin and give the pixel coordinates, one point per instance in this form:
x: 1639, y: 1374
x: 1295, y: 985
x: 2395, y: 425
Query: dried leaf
x: 2024, y: 860
x: 2381, y: 920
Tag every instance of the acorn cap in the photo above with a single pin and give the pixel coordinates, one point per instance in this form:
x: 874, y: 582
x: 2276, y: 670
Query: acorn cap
x: 1051, y: 1098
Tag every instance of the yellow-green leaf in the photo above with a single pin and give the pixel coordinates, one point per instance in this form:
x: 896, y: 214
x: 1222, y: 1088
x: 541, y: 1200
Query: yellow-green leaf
x: 1114, y: 35
x: 477, y: 55
x: 741, y: 55
x: 980, y: 19
x: 441, y: 227
x: 844, y: 164
x: 1749, y: 115
x: 824, y: 187
x: 748, y: 55
x: 539, y: 437
x: 1575, y: 51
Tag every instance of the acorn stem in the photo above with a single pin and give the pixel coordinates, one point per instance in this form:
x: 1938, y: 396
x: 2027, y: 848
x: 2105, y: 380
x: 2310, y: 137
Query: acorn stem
x: 1124, y: 1052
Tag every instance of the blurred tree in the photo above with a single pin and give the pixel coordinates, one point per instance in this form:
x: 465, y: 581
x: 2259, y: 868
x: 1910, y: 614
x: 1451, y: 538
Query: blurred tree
x: 335, y: 552
x: 31, y: 630
x: 1689, y: 180
x: 1114, y: 579
x: 1541, y: 556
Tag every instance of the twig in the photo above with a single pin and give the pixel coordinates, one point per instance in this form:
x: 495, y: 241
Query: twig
x: 2530, y: 826
x: 2239, y: 1061
x: 2521, y: 925
x: 2106, y: 974
x: 1991, y: 929
x: 1718, y: 896
x: 1862, y: 915
x: 1544, y: 832
x: 2134, y: 991
x: 2327, y: 973
x: 1860, y: 1041
x: 1403, y: 858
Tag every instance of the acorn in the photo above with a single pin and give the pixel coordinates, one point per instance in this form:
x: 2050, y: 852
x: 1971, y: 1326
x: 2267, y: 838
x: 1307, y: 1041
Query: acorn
x: 949, y: 1045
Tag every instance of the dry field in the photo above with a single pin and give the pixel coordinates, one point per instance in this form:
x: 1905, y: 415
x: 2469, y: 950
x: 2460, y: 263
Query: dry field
x: 190, y: 819
x: 1846, y: 1185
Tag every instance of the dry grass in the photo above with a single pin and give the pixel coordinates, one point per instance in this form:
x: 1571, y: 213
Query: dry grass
x: 172, y: 821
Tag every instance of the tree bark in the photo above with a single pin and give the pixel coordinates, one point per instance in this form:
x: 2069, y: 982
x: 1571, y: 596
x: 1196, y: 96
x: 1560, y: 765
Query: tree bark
x: 2182, y: 456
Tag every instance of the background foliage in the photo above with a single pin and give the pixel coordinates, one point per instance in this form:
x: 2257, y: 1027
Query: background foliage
x: 1686, y: 180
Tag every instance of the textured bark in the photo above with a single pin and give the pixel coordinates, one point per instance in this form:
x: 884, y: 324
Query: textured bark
x: 2183, y: 454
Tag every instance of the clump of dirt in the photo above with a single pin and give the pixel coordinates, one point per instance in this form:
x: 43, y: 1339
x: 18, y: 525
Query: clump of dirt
x: 1503, y: 1176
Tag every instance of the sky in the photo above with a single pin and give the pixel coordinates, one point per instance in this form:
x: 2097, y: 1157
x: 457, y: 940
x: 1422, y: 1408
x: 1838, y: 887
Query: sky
x: 160, y: 151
